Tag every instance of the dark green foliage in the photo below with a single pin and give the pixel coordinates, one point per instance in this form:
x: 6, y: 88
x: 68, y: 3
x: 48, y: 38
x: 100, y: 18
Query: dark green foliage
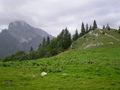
x: 42, y: 48
x: 82, y: 30
x: 65, y: 39
x: 87, y: 28
x: 39, y: 45
x: 48, y: 40
x: 119, y: 30
x: 108, y: 27
x: 32, y: 55
x: 103, y: 27
x: 8, y: 58
x: 31, y: 49
x: 94, y: 25
x: 18, y: 56
x: 57, y: 45
x: 44, y: 42
x: 90, y: 28
x: 52, y: 48
x: 75, y: 36
x: 103, y: 33
x: 41, y: 51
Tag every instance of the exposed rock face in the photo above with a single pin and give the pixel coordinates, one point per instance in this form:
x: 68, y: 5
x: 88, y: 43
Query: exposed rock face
x: 20, y: 36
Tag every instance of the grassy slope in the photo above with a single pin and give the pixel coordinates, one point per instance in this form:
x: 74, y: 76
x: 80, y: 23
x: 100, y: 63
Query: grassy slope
x: 102, y: 39
x: 89, y: 69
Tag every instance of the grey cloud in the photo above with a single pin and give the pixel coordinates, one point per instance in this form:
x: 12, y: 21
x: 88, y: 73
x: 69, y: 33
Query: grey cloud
x: 54, y: 15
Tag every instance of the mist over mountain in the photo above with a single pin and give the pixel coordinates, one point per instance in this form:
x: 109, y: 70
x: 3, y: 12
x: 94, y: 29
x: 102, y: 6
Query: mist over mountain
x: 20, y: 36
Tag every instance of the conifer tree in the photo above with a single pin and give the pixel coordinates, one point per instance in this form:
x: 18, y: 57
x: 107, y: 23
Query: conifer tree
x: 39, y: 45
x: 41, y: 52
x: 32, y: 55
x: 87, y: 29
x: 94, y: 25
x: 75, y: 36
x: 42, y: 49
x: 108, y: 27
x: 53, y: 47
x: 103, y: 27
x: 82, y: 29
x: 119, y: 30
x: 31, y: 49
x: 90, y: 28
x: 60, y: 38
x: 66, y: 39
x: 48, y: 40
x: 44, y: 42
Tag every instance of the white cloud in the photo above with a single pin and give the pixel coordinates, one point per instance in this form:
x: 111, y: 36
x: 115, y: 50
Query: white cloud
x: 54, y: 15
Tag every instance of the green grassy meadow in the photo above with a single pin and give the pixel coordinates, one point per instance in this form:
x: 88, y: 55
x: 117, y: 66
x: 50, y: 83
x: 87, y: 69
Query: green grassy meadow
x: 94, y: 68
x: 71, y: 70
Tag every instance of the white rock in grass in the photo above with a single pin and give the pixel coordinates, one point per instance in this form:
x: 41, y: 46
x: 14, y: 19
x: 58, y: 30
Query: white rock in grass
x: 65, y: 74
x: 34, y: 75
x: 111, y: 43
x: 43, y: 74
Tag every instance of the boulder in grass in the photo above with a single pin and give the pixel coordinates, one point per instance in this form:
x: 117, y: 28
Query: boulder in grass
x: 43, y: 74
x: 65, y: 74
x: 34, y: 75
x: 111, y: 43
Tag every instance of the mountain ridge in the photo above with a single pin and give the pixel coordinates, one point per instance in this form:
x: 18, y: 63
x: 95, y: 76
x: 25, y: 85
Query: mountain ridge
x: 24, y: 36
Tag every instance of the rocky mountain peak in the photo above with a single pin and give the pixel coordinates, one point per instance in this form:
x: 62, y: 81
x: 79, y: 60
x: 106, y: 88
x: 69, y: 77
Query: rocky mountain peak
x: 18, y: 24
x: 20, y: 36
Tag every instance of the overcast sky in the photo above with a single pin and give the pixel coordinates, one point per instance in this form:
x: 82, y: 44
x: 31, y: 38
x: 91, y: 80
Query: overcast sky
x: 54, y: 15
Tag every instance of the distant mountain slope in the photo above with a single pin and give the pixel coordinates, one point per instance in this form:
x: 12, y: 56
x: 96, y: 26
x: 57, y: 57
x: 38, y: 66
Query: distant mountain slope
x: 97, y: 38
x: 20, y: 36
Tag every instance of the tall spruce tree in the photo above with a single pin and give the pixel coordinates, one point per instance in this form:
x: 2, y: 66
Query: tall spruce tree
x: 60, y: 39
x: 48, y: 40
x: 82, y: 29
x: 94, y: 25
x: 64, y: 39
x: 67, y: 39
x: 32, y: 54
x: 44, y: 42
x: 87, y: 28
x: 40, y: 45
x: 42, y: 49
x: 75, y: 36
x: 90, y: 28
x: 108, y: 27
x: 31, y: 49
x: 103, y: 27
x: 53, y: 47
x: 119, y: 30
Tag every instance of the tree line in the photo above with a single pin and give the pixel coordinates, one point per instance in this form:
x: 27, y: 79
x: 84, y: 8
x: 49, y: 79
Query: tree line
x: 55, y: 46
